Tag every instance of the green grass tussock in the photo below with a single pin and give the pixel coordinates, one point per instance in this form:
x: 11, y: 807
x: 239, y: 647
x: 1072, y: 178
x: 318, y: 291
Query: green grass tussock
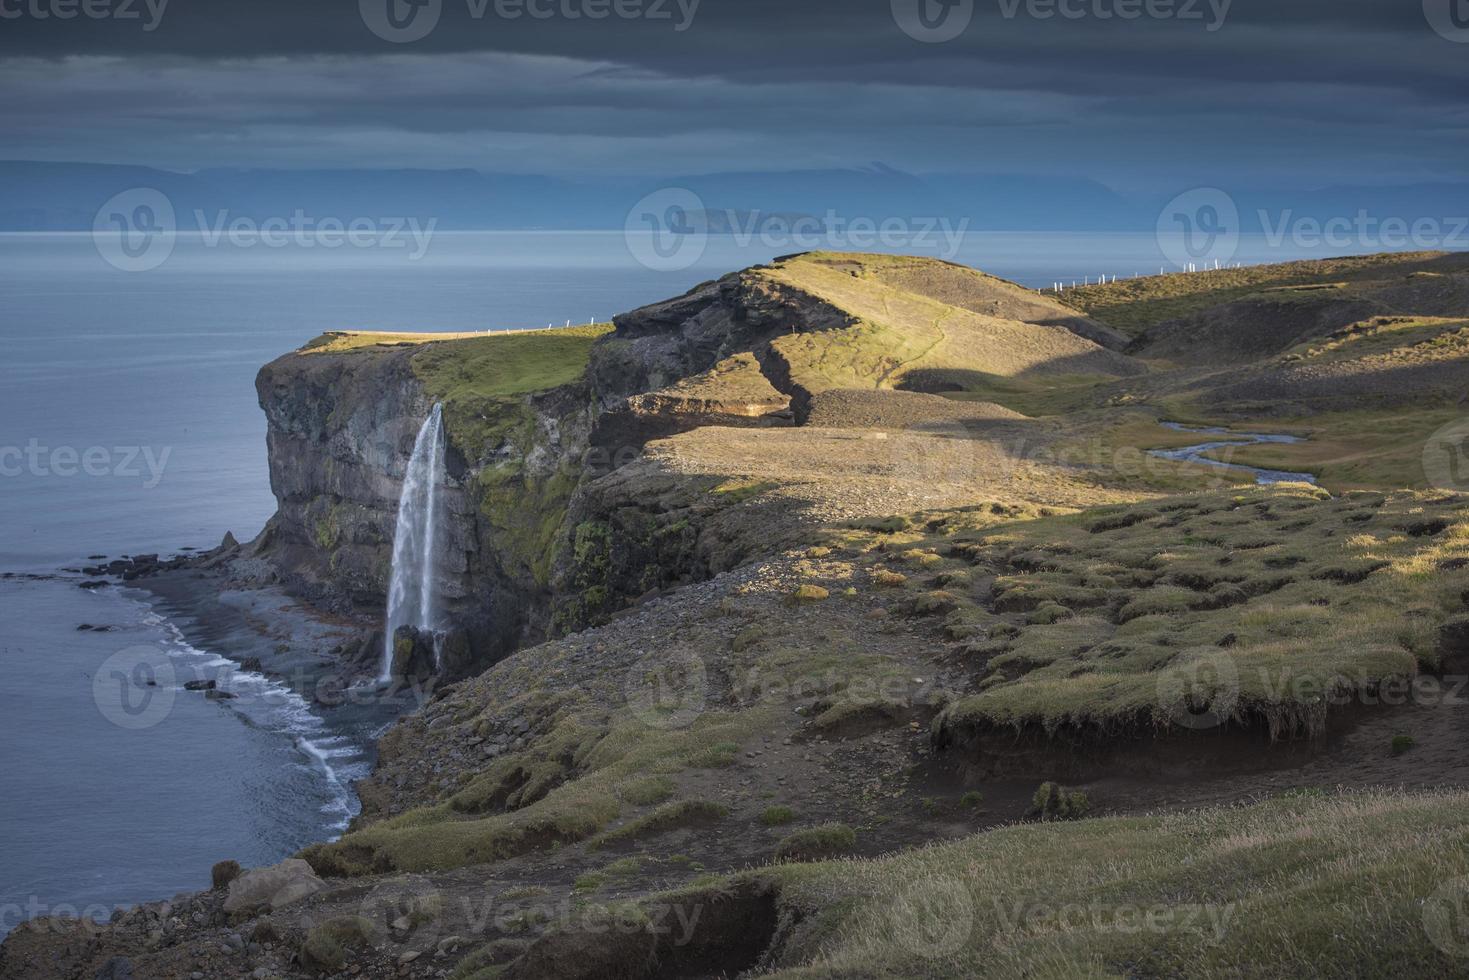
x: 1306, y: 885
x: 1263, y: 606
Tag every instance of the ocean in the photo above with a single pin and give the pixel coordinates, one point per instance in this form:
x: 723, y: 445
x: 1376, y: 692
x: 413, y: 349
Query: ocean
x: 128, y: 424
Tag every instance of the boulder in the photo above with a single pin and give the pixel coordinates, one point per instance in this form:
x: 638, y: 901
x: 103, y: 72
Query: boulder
x: 457, y: 658
x: 223, y: 873
x: 269, y: 889
x: 413, y: 654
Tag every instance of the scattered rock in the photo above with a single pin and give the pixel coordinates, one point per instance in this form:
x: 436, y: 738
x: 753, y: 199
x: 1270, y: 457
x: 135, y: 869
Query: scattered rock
x: 223, y: 873
x: 269, y: 889
x: 117, y: 968
x: 810, y: 593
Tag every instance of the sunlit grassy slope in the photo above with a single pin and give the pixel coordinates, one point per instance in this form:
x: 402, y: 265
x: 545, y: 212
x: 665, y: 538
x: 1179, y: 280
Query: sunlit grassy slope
x: 1134, y: 305
x: 1359, y: 885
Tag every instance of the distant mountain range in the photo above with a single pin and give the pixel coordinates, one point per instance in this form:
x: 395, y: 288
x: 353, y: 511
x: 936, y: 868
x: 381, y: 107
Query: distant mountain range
x: 45, y: 196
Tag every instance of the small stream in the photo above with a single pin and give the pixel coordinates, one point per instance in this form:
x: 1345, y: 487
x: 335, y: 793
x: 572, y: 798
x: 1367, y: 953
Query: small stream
x: 1234, y: 440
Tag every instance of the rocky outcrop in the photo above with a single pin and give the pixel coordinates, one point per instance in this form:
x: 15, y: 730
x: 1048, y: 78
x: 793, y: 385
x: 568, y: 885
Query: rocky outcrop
x: 340, y: 431
x: 734, y: 392
x: 271, y: 889
x: 718, y: 335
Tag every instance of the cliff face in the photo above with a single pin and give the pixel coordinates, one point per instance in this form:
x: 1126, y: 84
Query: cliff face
x: 559, y: 511
x: 342, y: 425
x: 340, y: 432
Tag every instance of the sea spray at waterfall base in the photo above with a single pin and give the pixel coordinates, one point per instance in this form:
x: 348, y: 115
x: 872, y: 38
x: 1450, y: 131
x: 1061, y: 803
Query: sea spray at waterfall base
x: 412, y: 587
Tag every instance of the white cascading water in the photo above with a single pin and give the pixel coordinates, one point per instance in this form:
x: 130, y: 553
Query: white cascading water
x: 411, y: 590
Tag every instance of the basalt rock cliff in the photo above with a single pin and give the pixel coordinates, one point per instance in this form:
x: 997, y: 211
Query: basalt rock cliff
x: 546, y: 533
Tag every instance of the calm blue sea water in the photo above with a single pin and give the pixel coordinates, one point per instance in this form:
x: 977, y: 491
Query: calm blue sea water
x: 128, y: 424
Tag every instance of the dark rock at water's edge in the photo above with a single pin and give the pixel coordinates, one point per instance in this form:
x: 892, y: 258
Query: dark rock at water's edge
x: 414, y: 659
x: 134, y: 567
x: 223, y: 873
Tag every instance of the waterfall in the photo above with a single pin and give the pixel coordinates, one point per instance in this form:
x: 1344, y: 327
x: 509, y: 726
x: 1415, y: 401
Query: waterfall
x: 411, y: 590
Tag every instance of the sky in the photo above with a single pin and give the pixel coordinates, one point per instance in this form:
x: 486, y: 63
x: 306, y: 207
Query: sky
x: 1132, y: 93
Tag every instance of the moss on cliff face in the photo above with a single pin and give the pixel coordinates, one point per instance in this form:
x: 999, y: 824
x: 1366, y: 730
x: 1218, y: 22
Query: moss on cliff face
x: 523, y: 479
x: 588, y: 580
x: 327, y: 530
x: 528, y: 513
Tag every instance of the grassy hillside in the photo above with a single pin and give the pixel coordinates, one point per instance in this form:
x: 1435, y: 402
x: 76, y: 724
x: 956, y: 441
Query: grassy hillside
x: 1260, y: 607
x: 975, y: 683
x: 1264, y: 608
x: 1361, y: 885
x: 1134, y: 305
x: 905, y: 339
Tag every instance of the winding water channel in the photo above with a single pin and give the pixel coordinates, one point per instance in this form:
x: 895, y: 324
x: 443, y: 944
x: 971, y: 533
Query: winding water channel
x: 1233, y: 440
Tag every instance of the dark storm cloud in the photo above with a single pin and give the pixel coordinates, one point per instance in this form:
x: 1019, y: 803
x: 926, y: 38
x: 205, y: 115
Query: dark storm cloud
x: 1352, y: 89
